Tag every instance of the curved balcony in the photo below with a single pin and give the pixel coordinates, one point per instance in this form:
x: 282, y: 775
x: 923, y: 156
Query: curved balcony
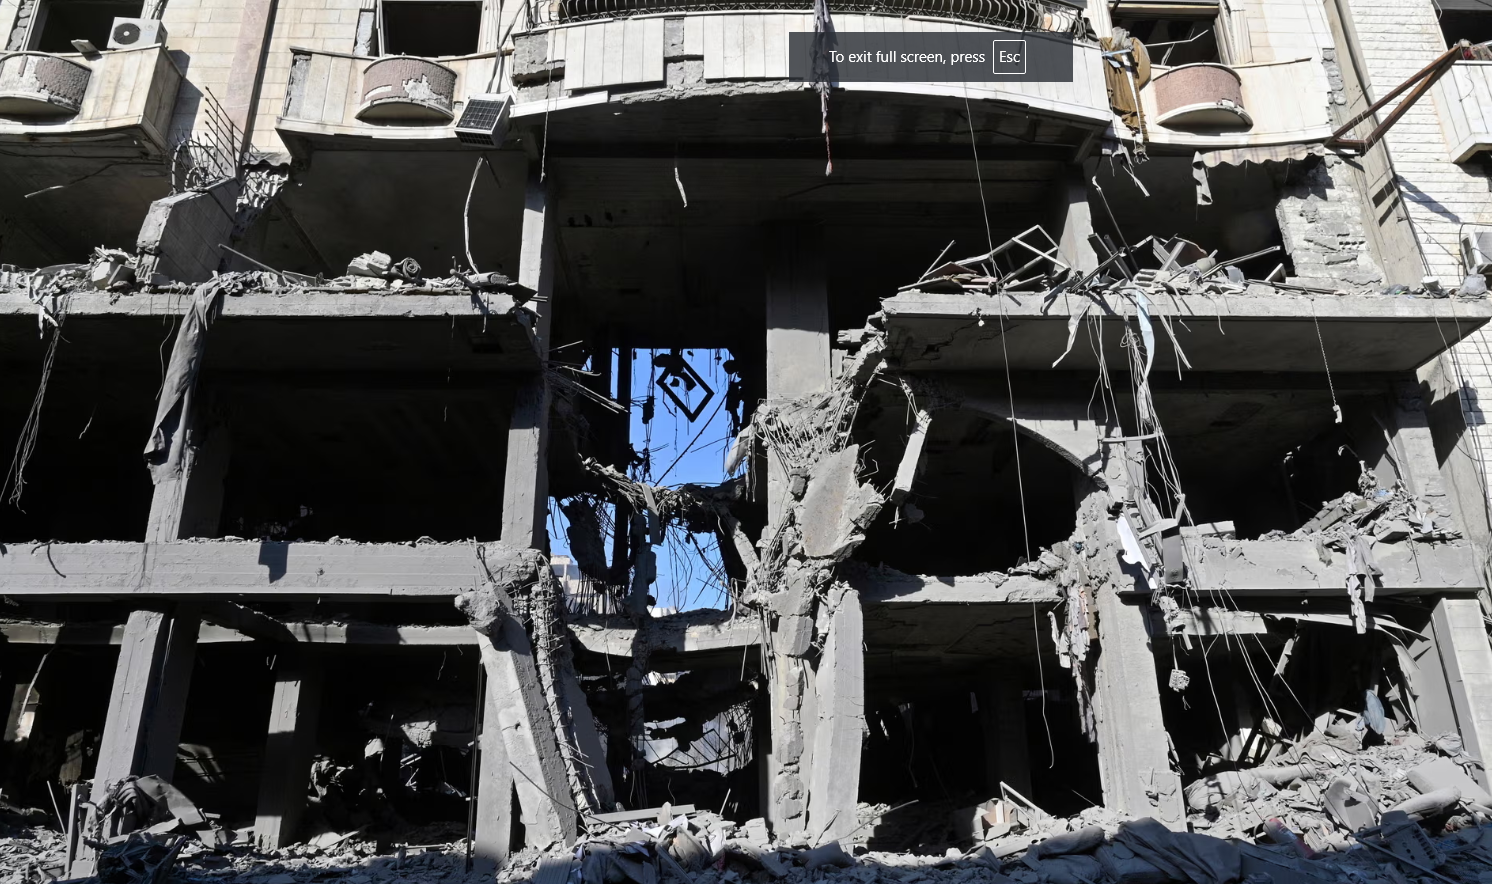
x: 1200, y: 96
x: 126, y: 94
x: 336, y: 100
x: 40, y: 84
x: 1213, y: 106
x: 403, y: 87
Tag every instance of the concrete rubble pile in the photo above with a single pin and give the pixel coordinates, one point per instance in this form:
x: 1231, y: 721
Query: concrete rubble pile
x: 1173, y: 266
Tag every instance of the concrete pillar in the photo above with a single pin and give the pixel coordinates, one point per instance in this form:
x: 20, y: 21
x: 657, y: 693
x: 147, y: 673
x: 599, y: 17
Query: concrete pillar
x: 797, y: 311
x: 1133, y: 748
x: 494, y: 823
x: 245, y: 71
x: 1466, y: 667
x: 1414, y: 447
x: 839, y: 683
x: 538, y: 772
x: 288, y: 748
x: 151, y: 679
x: 1002, y: 715
x: 164, y: 734
x: 798, y: 349
x: 1077, y: 221
x: 526, y: 480
x: 191, y: 504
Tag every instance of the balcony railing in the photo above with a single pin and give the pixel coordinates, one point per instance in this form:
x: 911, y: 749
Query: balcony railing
x: 1051, y: 16
x: 1466, y: 109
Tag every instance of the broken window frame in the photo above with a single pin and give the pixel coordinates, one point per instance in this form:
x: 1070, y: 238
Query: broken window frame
x: 378, y: 45
x: 1214, y: 13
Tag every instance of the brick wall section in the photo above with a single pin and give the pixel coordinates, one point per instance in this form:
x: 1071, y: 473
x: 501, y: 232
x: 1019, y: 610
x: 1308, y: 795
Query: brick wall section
x: 1398, y: 38
x: 202, y: 36
x: 1320, y: 217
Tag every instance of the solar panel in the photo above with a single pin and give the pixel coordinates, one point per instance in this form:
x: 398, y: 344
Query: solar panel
x: 484, y: 120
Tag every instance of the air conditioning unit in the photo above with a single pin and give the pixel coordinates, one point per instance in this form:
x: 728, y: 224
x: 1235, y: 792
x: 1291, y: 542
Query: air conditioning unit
x: 1476, y: 250
x: 484, y: 120
x: 132, y: 33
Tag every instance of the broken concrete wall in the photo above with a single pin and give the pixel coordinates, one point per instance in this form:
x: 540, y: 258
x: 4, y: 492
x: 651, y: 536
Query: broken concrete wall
x: 1320, y: 215
x: 182, y: 232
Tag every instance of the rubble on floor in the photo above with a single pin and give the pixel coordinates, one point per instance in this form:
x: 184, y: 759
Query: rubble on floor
x: 113, y: 271
x: 1154, y: 266
x: 1328, y: 808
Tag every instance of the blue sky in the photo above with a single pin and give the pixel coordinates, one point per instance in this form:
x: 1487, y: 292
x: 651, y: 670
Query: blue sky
x: 684, y: 578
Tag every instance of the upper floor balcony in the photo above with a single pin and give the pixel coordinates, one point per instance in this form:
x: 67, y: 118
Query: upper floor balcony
x: 120, y: 94
x: 1217, y: 106
x: 339, y: 99
x: 574, y: 52
x: 1466, y: 109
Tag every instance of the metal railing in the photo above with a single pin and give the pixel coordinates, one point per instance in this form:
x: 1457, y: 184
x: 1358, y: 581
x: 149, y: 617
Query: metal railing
x: 211, y: 153
x: 1049, y: 16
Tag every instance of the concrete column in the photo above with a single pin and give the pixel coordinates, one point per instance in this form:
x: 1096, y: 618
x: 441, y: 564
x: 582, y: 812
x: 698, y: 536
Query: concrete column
x: 538, y: 772
x: 1414, y: 447
x: 1466, y: 666
x: 797, y: 311
x: 1002, y: 714
x: 288, y: 748
x: 164, y: 735
x: 143, y: 725
x: 526, y: 480
x: 247, y: 67
x: 142, y: 653
x: 191, y: 504
x: 494, y: 824
x: 839, y: 683
x: 1133, y: 748
x: 798, y: 349
x: 1077, y: 220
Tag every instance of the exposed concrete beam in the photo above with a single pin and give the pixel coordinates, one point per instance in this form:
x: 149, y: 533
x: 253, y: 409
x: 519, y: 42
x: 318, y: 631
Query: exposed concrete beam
x: 377, y: 304
x: 271, y: 569
x: 246, y: 621
x: 1293, y: 568
x: 679, y: 633
x: 913, y: 589
x: 31, y: 633
x: 1265, y: 332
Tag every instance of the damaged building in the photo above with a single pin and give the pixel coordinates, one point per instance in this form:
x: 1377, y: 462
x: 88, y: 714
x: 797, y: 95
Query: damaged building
x: 1103, y: 457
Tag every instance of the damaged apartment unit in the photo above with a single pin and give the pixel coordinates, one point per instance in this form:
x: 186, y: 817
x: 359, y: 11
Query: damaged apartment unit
x: 1085, y: 440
